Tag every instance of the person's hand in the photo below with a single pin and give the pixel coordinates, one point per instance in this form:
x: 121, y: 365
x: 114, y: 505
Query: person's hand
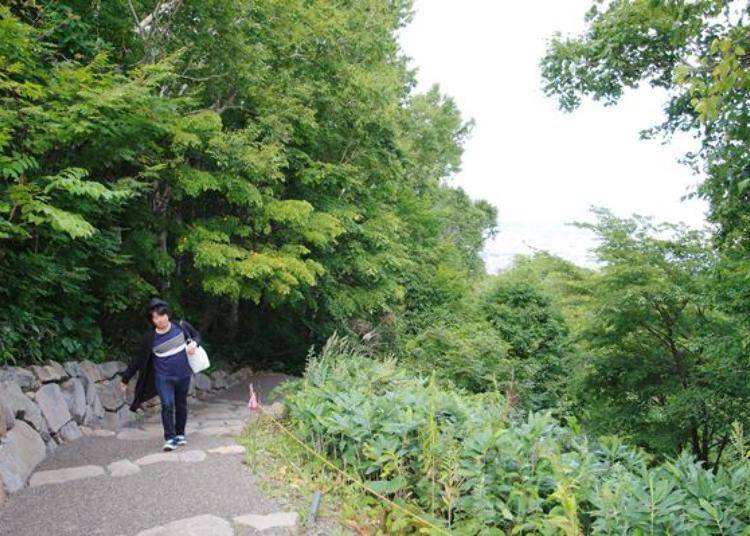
x: 191, y: 348
x: 123, y: 387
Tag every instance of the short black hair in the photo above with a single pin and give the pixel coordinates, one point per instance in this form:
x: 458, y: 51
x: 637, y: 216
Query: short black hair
x: 159, y: 310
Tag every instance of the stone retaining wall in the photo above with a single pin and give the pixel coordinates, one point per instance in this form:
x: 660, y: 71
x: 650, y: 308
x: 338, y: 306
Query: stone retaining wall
x: 43, y: 406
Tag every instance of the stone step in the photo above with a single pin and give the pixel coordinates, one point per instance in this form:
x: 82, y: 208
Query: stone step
x: 123, y: 468
x: 268, y: 521
x: 228, y: 449
x: 126, y: 467
x: 211, y: 525
x: 203, y: 525
x: 58, y: 476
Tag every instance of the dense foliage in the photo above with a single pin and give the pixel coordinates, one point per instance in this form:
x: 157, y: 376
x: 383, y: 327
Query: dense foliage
x: 460, y: 459
x: 667, y: 363
x: 643, y: 347
x: 265, y: 166
x: 504, y: 334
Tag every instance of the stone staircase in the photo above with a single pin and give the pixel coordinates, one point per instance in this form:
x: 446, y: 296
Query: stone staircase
x: 119, y: 483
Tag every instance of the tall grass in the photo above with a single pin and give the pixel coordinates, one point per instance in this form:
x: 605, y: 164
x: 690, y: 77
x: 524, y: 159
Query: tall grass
x: 465, y: 462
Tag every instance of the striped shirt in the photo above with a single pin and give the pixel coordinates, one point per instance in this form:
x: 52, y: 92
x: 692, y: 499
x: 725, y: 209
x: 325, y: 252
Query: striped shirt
x: 170, y: 356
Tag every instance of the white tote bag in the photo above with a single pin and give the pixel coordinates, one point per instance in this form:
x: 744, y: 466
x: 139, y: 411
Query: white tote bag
x: 199, y: 360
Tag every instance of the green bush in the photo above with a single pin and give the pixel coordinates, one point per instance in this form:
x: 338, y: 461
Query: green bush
x: 463, y: 351
x: 505, y: 335
x: 464, y: 460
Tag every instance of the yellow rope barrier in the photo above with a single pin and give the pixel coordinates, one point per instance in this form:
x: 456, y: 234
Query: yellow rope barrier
x: 347, y: 476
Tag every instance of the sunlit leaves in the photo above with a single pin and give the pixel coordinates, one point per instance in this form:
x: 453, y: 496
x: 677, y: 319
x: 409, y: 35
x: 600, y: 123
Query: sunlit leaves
x: 236, y: 269
x: 195, y: 182
x: 291, y: 211
x: 66, y: 222
x: 12, y: 167
x: 241, y: 192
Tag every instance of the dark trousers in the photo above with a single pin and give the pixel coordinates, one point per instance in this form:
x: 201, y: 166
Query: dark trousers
x: 173, y: 393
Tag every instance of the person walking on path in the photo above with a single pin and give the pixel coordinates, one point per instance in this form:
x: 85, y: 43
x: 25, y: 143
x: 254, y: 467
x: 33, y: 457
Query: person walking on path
x: 163, y: 368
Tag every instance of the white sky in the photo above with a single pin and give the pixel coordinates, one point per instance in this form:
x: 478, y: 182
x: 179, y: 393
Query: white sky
x: 541, y: 167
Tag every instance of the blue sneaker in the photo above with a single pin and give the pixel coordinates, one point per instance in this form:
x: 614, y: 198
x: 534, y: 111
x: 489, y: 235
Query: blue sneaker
x: 180, y: 440
x: 170, y: 444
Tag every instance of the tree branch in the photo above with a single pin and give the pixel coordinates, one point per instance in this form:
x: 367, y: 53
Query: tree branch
x: 147, y: 28
x: 136, y: 18
x: 722, y: 445
x: 228, y: 105
x: 201, y: 78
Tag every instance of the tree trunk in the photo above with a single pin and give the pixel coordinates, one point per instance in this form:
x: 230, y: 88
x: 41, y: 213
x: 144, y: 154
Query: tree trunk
x: 159, y: 208
x: 722, y: 445
x: 695, y: 440
x: 234, y: 319
x: 163, y: 282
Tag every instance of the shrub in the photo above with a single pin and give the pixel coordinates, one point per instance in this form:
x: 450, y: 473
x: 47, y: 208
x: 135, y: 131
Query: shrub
x: 464, y: 460
x: 463, y: 351
x: 505, y: 335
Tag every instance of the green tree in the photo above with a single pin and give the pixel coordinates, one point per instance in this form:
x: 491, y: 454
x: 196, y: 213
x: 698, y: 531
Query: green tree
x: 528, y: 321
x: 566, y: 284
x: 73, y: 138
x: 665, y: 365
x: 505, y: 334
x: 267, y: 167
x: 568, y: 289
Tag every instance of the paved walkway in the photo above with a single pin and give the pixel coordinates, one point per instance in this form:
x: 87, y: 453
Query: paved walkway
x: 124, y: 485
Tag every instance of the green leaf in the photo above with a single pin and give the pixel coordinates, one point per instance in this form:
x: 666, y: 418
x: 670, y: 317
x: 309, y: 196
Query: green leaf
x: 387, y: 487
